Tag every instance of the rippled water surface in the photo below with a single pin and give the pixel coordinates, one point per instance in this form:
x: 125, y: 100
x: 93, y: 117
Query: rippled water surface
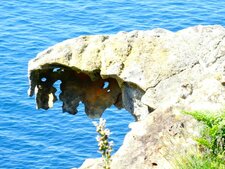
x: 31, y: 138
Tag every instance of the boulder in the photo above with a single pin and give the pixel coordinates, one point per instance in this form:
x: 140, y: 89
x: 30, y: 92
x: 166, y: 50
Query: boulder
x: 153, y: 74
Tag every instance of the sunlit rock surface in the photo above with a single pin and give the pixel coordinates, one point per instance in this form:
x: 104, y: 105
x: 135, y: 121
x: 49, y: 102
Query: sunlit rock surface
x: 153, y: 74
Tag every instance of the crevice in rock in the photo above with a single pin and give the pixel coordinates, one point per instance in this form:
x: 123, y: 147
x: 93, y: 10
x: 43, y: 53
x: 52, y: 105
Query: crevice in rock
x: 218, y: 44
x: 173, y: 74
x: 131, y: 98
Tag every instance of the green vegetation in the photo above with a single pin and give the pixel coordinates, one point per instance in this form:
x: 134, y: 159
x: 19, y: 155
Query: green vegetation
x: 200, y: 161
x: 211, y: 143
x: 105, y: 147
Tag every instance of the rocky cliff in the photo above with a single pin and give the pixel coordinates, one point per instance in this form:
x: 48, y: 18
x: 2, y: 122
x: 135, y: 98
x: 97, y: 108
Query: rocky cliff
x: 153, y: 74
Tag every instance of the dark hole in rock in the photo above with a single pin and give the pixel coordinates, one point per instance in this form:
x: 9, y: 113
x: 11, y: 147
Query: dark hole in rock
x: 182, y: 125
x: 223, y: 83
x: 154, y: 164
x: 150, y: 109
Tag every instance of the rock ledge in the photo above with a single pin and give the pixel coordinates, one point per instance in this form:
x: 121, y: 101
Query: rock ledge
x: 153, y: 74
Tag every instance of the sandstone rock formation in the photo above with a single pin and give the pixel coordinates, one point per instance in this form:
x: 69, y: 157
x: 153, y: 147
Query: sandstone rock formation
x: 153, y: 74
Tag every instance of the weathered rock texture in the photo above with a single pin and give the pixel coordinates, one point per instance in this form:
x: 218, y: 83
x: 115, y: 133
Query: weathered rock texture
x: 154, y: 71
x: 159, y: 141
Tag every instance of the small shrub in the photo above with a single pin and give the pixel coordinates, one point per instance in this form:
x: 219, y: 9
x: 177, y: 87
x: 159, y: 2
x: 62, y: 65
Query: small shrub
x: 105, y: 147
x: 211, y: 143
x: 213, y: 135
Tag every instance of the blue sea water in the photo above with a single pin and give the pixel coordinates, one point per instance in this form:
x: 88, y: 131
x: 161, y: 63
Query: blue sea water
x: 31, y: 138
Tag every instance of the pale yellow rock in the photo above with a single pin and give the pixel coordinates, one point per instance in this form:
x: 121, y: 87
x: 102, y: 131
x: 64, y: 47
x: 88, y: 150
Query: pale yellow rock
x: 153, y: 74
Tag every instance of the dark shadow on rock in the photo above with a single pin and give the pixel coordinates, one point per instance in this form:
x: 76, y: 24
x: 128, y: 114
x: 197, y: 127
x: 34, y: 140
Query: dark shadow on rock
x: 96, y: 95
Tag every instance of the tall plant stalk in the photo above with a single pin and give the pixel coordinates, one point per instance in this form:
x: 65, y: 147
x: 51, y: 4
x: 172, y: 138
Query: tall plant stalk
x: 105, y: 146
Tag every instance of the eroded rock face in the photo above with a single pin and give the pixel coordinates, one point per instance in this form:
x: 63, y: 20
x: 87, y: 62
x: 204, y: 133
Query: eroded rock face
x: 96, y: 95
x: 76, y: 87
x: 145, y: 71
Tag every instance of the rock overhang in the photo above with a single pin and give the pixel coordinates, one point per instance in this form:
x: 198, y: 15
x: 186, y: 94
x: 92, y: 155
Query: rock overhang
x: 144, y: 69
x: 76, y: 87
x: 97, y: 93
